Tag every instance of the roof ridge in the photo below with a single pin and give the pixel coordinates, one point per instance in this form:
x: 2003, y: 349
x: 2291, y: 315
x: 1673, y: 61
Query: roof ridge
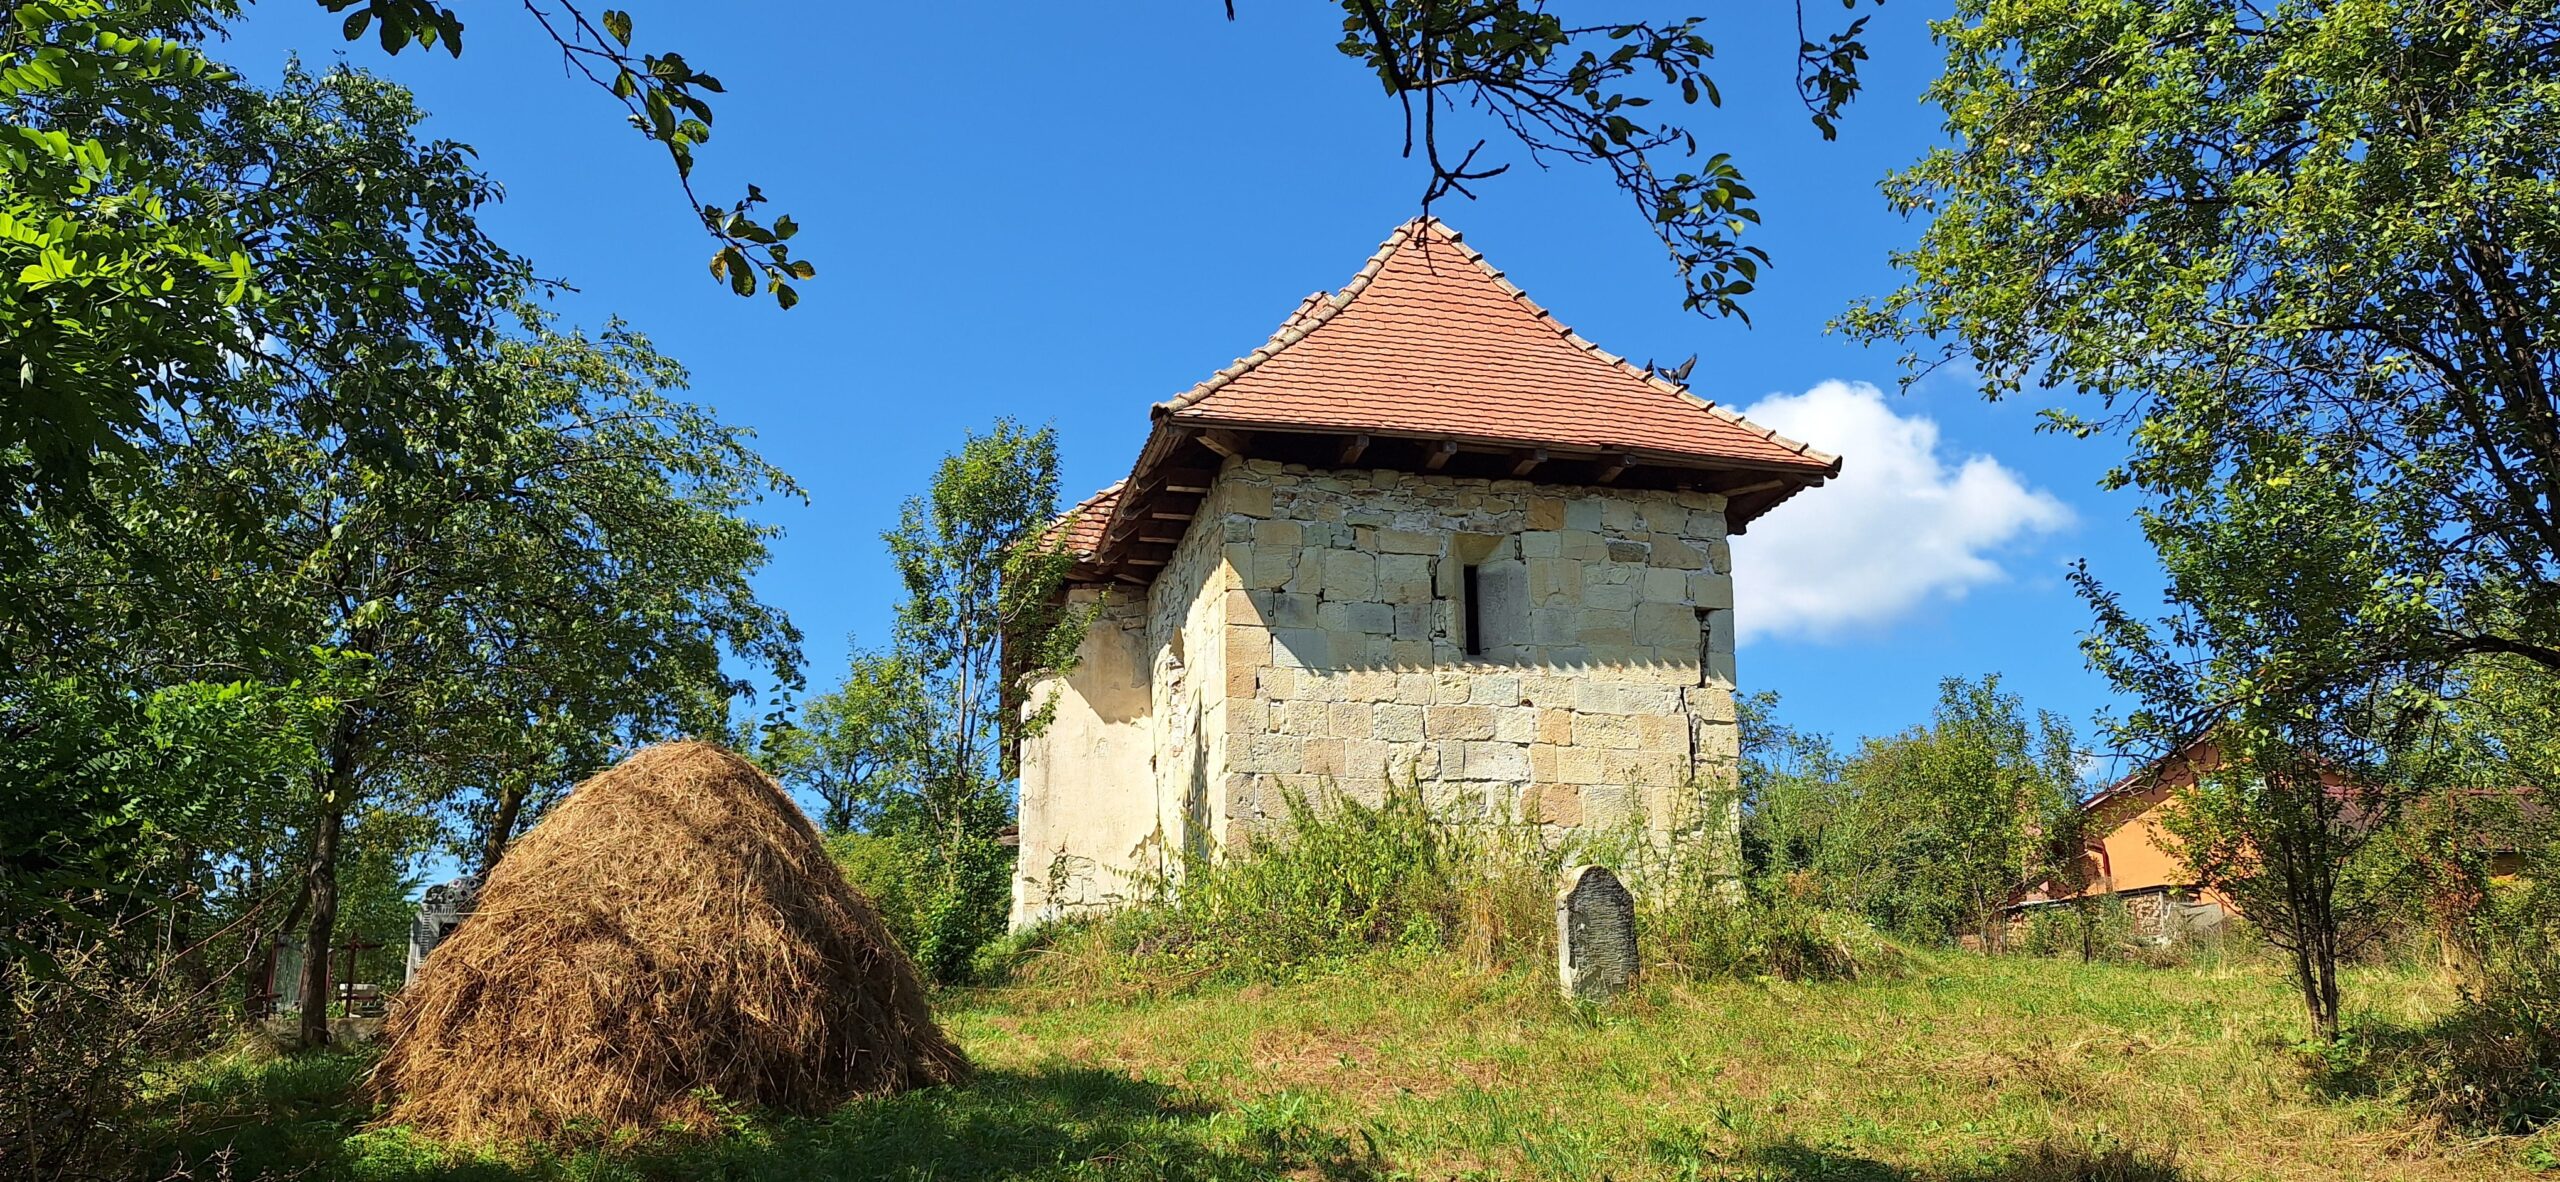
x: 1310, y: 315
x: 1111, y: 489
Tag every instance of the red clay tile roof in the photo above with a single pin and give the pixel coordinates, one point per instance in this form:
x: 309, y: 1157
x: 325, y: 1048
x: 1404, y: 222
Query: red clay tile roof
x: 1085, y: 522
x: 1431, y: 344
x: 1429, y: 340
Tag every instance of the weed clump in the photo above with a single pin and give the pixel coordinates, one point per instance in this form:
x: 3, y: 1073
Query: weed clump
x: 1345, y: 880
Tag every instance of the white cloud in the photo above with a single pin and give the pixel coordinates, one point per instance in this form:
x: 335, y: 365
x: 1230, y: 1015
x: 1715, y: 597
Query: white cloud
x: 1900, y: 527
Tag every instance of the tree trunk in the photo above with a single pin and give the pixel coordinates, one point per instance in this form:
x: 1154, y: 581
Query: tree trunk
x: 337, y: 779
x: 502, y: 828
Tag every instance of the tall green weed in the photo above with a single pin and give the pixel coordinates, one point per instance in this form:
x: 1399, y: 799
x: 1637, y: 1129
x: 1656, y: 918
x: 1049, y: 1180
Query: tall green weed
x: 1341, y: 880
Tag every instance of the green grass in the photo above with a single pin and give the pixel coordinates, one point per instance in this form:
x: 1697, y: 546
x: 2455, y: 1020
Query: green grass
x: 1966, y: 1070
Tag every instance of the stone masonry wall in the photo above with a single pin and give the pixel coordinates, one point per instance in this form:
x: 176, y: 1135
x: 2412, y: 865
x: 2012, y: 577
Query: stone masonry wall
x: 1307, y: 635
x: 1186, y: 626
x: 1603, y: 693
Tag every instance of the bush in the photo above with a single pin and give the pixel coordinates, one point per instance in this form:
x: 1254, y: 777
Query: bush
x: 80, y: 1036
x: 945, y: 905
x: 879, y: 869
x: 2095, y: 929
x: 2493, y: 1064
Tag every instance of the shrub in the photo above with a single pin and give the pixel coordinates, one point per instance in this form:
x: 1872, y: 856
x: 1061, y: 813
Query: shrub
x: 79, y: 1037
x: 2492, y: 1065
x: 2495, y: 1065
x: 884, y: 873
x: 2093, y: 929
x: 946, y: 901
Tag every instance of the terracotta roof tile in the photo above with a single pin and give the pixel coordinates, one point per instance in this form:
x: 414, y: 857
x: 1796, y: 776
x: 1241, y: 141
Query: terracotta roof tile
x: 1430, y: 340
x: 1084, y: 523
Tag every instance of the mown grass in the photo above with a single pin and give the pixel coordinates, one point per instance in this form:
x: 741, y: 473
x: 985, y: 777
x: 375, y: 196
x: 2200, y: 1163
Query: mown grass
x: 1963, y: 1070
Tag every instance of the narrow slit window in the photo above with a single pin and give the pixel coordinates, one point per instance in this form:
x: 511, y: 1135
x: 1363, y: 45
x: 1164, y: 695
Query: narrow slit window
x: 1706, y: 645
x: 1470, y: 606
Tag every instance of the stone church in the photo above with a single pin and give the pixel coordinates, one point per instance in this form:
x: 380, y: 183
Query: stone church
x: 1424, y: 533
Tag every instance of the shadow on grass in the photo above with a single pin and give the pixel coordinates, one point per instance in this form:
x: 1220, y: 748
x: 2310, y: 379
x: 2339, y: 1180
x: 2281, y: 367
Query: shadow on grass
x: 297, y: 1119
x: 2043, y: 1162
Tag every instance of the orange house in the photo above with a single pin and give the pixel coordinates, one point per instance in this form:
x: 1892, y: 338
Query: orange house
x: 2130, y: 854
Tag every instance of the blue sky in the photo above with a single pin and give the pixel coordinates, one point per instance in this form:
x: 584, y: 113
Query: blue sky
x: 1066, y: 212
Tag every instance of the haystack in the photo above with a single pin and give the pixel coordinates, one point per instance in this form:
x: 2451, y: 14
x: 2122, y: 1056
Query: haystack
x: 673, y: 926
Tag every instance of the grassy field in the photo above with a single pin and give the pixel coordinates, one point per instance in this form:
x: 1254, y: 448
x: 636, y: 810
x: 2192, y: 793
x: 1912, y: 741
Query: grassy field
x: 1968, y: 1070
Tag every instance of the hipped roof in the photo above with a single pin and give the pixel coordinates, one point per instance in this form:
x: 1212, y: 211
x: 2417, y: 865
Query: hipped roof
x: 1429, y: 359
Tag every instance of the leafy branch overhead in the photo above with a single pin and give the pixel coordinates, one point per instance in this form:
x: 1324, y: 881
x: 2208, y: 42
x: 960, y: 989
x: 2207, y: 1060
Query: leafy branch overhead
x: 1578, y: 93
x: 662, y: 95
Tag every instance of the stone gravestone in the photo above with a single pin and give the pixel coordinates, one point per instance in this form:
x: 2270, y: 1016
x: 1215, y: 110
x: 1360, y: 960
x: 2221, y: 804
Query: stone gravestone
x: 1595, y: 934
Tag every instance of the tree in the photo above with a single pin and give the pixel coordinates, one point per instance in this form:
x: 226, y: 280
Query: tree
x: 1942, y: 825
x: 97, y: 600
x: 919, y: 744
x: 151, y: 243
x: 1791, y: 796
x: 2286, y: 646
x: 577, y: 570
x: 167, y: 226
x: 2060, y: 859
x: 859, y: 745
x: 2240, y: 227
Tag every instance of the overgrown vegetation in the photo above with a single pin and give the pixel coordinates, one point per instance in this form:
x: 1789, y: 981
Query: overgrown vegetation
x: 1925, y: 833
x: 1344, y: 883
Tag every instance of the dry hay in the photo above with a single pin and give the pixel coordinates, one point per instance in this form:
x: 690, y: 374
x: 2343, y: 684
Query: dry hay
x: 670, y: 938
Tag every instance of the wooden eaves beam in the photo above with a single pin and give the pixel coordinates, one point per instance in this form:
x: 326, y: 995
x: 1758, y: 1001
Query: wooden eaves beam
x: 1437, y: 455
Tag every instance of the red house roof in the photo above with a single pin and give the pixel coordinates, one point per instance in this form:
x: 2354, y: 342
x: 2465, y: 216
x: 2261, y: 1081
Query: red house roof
x: 1430, y: 340
x: 1430, y: 360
